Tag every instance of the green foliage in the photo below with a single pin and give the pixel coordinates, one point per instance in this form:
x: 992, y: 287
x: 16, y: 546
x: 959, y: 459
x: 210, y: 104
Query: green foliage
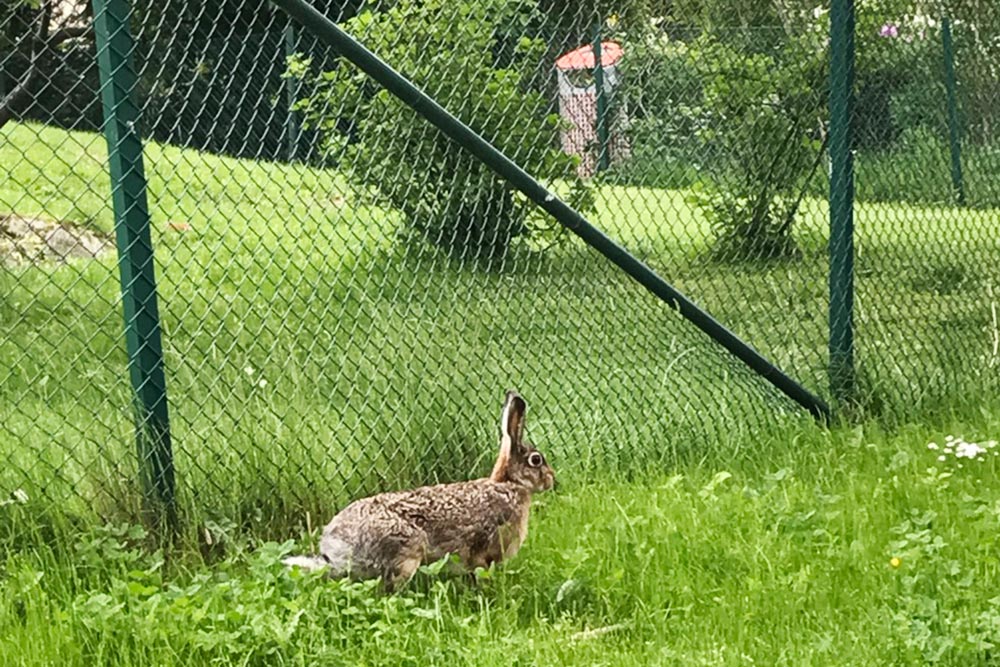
x: 226, y: 92
x: 16, y: 18
x: 721, y: 15
x: 916, y: 169
x: 729, y: 99
x: 849, y: 546
x: 571, y: 22
x: 939, y: 613
x: 64, y: 88
x: 445, y: 194
x: 758, y: 126
x: 661, y: 90
x: 899, y: 79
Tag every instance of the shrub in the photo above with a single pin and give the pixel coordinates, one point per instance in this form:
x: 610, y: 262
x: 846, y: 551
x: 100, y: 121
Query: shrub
x: 661, y: 91
x: 445, y: 194
x: 759, y: 132
x: 735, y: 113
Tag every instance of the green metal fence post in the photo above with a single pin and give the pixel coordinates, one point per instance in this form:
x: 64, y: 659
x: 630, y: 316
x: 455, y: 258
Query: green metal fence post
x: 601, y: 123
x: 842, y: 372
x: 135, y: 254
x: 954, y: 133
x: 291, y: 93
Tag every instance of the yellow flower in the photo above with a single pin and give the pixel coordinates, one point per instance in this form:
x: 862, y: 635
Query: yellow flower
x: 895, y: 562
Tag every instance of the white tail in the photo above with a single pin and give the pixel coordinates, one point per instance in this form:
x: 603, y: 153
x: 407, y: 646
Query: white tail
x: 309, y: 563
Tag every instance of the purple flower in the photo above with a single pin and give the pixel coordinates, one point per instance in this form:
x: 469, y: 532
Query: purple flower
x: 889, y: 30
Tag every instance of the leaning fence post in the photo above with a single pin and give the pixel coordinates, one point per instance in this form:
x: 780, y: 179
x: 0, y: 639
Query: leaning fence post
x: 842, y: 372
x: 601, y: 124
x: 135, y: 254
x: 954, y: 133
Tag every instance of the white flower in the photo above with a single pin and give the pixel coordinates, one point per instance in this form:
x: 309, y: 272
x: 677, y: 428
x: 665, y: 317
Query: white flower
x: 20, y: 496
x: 262, y: 383
x: 932, y: 445
x: 248, y: 370
x: 969, y: 450
x: 942, y: 457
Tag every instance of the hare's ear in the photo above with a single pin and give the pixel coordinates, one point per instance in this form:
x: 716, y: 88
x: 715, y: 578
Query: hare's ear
x: 511, y: 433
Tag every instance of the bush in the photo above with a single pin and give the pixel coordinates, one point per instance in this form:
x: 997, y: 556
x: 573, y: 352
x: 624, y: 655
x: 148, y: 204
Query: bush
x: 759, y: 131
x: 445, y: 194
x: 734, y: 113
x: 69, y: 96
x: 661, y: 92
x: 899, y: 73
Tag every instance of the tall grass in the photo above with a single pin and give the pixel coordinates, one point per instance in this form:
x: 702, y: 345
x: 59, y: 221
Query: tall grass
x: 854, y: 546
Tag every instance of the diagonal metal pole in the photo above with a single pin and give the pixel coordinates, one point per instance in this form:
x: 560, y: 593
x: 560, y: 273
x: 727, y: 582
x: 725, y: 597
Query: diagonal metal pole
x: 380, y: 71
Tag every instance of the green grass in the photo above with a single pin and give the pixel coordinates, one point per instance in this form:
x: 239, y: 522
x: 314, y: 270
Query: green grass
x: 918, y: 168
x: 779, y: 555
x: 384, y: 363
x: 383, y: 366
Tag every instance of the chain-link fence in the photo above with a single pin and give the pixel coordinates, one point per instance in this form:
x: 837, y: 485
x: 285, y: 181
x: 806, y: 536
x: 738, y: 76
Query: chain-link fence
x: 345, y: 293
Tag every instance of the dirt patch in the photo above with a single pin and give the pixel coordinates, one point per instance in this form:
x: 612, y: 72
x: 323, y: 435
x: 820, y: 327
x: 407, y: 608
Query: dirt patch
x: 26, y: 240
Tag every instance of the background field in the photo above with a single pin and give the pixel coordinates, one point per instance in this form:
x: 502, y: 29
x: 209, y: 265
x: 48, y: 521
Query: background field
x: 282, y: 278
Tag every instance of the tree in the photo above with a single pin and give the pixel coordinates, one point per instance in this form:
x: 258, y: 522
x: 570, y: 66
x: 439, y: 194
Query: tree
x: 449, y: 49
x: 761, y: 117
x: 33, y: 30
x: 733, y: 91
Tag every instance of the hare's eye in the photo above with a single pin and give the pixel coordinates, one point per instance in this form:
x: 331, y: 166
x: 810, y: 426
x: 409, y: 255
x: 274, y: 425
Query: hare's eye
x: 535, y: 460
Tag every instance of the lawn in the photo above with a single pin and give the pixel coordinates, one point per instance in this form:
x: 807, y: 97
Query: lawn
x: 312, y: 357
x: 857, y: 546
x: 306, y: 346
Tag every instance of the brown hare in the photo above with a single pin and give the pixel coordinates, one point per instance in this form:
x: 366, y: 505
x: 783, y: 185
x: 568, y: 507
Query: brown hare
x: 478, y: 522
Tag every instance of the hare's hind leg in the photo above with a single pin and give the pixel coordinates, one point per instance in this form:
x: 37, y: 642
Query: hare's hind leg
x: 399, y: 573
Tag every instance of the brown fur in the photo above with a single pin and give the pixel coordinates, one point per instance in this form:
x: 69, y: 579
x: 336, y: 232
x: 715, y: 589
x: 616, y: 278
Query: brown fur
x: 481, y: 522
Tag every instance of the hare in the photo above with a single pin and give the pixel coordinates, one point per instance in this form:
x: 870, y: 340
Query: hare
x: 480, y: 522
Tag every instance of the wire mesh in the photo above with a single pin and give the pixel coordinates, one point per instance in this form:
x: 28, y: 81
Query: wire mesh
x: 927, y: 255
x: 345, y: 293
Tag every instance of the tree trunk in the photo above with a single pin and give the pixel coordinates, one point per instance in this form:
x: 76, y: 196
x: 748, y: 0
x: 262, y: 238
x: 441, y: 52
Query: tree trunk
x: 42, y: 42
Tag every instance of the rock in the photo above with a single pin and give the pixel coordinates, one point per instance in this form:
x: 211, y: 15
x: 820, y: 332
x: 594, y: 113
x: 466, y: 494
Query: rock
x: 24, y: 240
x: 16, y: 227
x: 93, y: 245
x: 61, y: 243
